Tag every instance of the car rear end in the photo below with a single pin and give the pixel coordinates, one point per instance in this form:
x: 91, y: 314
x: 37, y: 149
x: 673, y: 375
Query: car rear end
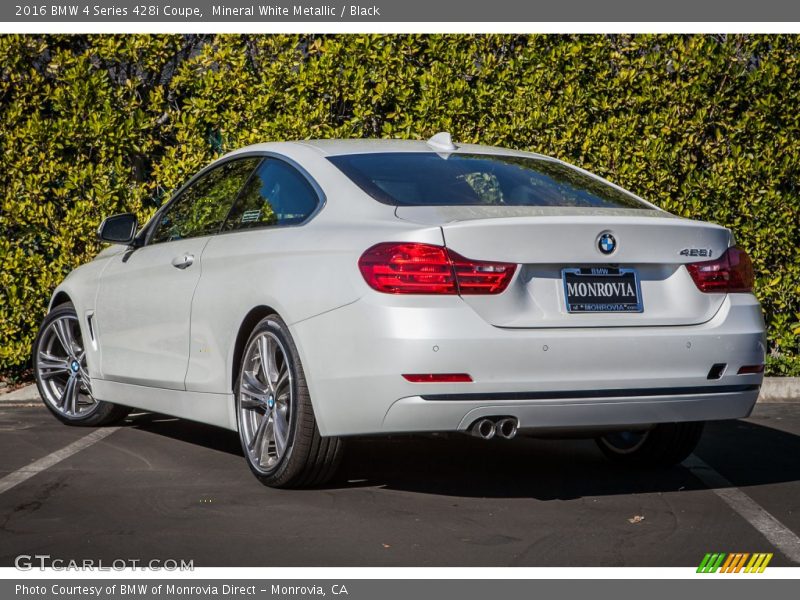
x: 540, y: 297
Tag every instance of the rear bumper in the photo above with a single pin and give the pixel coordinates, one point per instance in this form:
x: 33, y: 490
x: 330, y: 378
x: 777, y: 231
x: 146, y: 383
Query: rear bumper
x: 581, y: 412
x: 548, y: 378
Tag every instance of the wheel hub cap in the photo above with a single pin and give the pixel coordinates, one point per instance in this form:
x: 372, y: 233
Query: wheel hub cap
x: 271, y: 402
x: 75, y: 366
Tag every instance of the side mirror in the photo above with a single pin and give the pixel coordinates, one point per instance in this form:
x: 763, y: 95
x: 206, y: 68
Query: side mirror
x: 118, y: 229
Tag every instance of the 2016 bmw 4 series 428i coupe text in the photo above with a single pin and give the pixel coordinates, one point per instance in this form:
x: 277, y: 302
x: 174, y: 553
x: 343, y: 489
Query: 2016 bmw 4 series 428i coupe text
x: 303, y: 292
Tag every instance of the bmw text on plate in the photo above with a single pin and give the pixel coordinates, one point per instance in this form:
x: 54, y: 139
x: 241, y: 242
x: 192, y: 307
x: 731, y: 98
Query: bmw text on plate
x: 303, y: 292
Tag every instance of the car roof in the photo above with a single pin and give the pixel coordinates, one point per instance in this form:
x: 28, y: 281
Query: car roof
x: 334, y: 147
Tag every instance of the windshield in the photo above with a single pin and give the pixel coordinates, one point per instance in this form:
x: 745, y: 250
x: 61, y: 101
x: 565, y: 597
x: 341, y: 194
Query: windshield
x: 430, y: 179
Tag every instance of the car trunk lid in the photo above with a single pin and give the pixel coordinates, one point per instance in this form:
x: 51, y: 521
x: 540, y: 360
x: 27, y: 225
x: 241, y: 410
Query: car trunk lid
x: 545, y: 241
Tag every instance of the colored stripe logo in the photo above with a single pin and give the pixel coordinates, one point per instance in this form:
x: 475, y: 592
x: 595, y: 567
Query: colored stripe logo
x: 737, y: 562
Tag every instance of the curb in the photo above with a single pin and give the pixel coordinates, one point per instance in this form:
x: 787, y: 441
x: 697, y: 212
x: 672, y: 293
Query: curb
x: 28, y: 393
x: 24, y: 397
x: 775, y: 390
x: 780, y: 390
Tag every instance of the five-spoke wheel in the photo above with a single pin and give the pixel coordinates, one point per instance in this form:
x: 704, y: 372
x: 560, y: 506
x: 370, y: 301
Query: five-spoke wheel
x: 265, y: 404
x: 277, y: 428
x: 662, y: 445
x: 61, y: 368
x: 59, y: 365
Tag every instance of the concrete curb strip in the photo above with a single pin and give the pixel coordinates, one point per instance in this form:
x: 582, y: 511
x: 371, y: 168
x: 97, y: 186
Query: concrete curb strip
x: 26, y: 393
x: 780, y: 389
x: 775, y: 389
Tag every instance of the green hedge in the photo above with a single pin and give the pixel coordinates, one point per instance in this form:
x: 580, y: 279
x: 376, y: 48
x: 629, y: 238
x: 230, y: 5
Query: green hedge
x: 705, y: 126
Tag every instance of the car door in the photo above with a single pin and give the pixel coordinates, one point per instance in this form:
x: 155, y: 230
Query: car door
x: 143, y: 308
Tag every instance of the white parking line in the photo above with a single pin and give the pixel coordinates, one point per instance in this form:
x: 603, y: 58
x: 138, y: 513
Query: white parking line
x: 780, y: 536
x: 25, y: 473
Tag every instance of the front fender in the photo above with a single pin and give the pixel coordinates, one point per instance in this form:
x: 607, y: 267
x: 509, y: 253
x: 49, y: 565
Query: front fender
x: 80, y: 287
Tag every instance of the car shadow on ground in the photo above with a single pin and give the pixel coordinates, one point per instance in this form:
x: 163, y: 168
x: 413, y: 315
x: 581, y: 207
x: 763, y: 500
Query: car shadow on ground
x: 745, y: 453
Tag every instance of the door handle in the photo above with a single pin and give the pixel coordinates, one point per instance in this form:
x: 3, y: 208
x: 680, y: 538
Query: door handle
x: 182, y: 262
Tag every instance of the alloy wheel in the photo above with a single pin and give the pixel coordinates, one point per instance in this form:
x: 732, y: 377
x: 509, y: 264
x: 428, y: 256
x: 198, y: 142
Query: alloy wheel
x: 624, y: 442
x: 265, y: 401
x: 61, y: 368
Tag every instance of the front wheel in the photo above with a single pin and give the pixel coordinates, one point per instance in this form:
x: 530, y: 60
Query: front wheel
x: 277, y: 428
x: 59, y: 365
x: 664, y: 445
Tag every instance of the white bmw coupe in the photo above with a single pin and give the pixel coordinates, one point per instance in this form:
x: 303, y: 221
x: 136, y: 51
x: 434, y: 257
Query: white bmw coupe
x: 303, y: 292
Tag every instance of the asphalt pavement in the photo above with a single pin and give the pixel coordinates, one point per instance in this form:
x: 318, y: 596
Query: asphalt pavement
x: 164, y: 488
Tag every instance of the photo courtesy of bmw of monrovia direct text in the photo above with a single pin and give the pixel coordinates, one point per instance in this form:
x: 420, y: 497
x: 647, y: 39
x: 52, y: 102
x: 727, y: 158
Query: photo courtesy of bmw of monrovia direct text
x: 305, y: 299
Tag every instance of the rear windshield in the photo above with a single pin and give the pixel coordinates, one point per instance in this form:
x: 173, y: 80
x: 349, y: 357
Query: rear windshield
x: 430, y: 179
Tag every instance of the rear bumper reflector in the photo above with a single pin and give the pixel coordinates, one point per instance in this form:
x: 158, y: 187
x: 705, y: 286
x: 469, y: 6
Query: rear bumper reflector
x: 438, y: 378
x: 590, y: 394
x: 750, y: 369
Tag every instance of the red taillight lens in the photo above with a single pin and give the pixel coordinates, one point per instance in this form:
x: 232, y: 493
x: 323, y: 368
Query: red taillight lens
x: 731, y: 272
x: 481, y: 277
x: 414, y: 268
x: 408, y: 269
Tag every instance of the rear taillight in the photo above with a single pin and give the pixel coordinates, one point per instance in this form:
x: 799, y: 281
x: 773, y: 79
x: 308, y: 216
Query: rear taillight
x: 731, y: 272
x: 408, y: 269
x: 414, y: 268
x: 481, y: 277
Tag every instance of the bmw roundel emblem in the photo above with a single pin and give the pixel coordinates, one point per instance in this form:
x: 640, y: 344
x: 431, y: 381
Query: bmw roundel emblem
x: 606, y: 243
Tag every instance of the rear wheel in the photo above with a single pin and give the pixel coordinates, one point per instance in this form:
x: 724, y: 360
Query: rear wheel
x: 59, y: 365
x: 664, y: 445
x: 277, y: 428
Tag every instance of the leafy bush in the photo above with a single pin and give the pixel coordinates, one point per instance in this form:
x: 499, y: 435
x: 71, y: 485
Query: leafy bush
x: 704, y: 126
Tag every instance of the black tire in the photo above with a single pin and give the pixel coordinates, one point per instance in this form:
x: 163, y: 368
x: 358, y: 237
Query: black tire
x: 664, y: 445
x: 101, y: 413
x: 308, y: 458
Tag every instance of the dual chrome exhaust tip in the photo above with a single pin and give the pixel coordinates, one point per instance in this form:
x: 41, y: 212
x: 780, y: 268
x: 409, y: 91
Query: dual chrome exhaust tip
x: 488, y: 427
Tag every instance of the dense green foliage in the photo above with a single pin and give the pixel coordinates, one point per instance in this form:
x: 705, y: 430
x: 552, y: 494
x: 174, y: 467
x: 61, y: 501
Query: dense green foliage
x: 704, y: 126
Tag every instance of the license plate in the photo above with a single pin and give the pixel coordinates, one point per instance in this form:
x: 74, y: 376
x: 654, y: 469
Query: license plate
x: 601, y: 289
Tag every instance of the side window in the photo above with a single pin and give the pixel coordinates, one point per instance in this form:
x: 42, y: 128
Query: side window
x: 277, y: 194
x: 202, y: 207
